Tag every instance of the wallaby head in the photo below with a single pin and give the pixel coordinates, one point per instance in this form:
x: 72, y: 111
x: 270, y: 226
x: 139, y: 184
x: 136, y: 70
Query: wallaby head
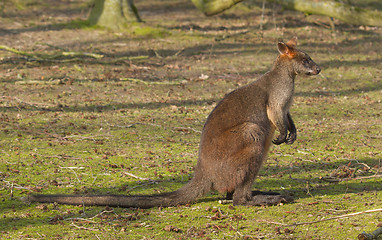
x: 301, y: 62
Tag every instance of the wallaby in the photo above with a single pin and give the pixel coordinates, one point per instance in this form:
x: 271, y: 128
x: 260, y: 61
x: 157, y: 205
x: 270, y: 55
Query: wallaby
x: 234, y: 143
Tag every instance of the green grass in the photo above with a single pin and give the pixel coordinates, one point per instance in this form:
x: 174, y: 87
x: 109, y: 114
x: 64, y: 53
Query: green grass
x: 80, y: 127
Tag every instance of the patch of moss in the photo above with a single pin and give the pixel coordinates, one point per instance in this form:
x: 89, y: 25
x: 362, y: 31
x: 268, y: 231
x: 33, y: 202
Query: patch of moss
x: 141, y: 30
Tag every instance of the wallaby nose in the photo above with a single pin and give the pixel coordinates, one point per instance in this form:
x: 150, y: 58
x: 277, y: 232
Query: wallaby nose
x: 318, y: 69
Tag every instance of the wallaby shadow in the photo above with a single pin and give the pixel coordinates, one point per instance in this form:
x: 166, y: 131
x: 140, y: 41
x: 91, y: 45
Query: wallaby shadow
x: 112, y: 106
x: 269, y: 180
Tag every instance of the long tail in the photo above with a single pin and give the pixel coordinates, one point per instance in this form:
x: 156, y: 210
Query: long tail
x: 187, y: 194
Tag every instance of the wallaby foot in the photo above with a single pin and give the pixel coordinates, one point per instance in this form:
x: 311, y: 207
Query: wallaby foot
x: 229, y: 195
x: 260, y: 198
x: 263, y: 200
x: 269, y: 200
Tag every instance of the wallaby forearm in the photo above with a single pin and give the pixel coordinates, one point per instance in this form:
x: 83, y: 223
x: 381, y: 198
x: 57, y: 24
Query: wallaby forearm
x: 282, y: 126
x: 285, y: 124
x: 292, y: 130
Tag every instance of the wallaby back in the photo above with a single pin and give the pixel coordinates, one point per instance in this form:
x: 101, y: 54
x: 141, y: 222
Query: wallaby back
x: 234, y: 143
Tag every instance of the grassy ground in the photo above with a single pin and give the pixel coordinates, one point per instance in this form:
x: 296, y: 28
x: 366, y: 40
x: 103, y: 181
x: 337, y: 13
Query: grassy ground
x: 87, y: 125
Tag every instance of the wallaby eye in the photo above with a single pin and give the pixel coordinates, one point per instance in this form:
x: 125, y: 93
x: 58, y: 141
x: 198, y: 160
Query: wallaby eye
x: 305, y: 61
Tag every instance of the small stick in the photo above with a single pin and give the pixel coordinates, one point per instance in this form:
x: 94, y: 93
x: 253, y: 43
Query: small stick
x: 327, y: 219
x: 337, y: 217
x: 187, y: 128
x: 82, y: 54
x: 101, y: 213
x: 140, y: 185
x: 136, y: 80
x: 11, y: 191
x: 140, y: 178
x: 332, y: 179
x: 48, y: 57
x: 79, y: 227
x: 79, y: 219
x: 9, y: 49
x: 71, y: 167
x: 26, y: 103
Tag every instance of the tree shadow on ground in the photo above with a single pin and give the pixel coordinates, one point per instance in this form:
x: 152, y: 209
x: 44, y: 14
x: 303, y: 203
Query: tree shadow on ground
x: 113, y: 106
x: 346, y: 92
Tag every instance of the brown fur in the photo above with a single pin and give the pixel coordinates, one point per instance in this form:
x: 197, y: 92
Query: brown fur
x: 234, y: 143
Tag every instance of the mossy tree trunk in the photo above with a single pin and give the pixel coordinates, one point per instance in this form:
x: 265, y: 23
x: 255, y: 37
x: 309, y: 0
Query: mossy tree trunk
x: 344, y: 12
x: 341, y: 11
x: 114, y: 14
x: 212, y: 7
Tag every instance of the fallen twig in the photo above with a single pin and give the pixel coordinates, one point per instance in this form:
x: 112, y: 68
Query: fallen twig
x: 325, y: 219
x: 79, y: 137
x: 36, y: 105
x: 47, y: 57
x: 80, y: 227
x: 9, y: 49
x: 334, y: 179
x: 80, y: 54
x: 338, y: 217
x: 136, y: 80
x: 61, y: 157
x: 67, y: 56
x: 80, y: 219
x: 220, y: 38
x: 101, y: 213
x: 140, y: 178
x: 141, y: 185
x: 12, y: 186
x: 72, y: 167
x: 186, y: 129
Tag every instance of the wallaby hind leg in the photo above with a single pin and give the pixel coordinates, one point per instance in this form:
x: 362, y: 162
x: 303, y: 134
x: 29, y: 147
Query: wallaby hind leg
x: 241, y: 197
x: 243, y: 194
x: 229, y: 195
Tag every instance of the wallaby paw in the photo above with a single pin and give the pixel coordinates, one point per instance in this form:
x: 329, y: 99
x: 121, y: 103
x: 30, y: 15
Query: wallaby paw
x: 280, y: 139
x: 291, y: 138
x: 270, y: 200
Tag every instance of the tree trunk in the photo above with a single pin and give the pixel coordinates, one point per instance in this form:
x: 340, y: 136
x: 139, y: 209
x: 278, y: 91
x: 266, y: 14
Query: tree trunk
x: 114, y: 14
x: 212, y: 7
x: 331, y: 8
x: 340, y: 11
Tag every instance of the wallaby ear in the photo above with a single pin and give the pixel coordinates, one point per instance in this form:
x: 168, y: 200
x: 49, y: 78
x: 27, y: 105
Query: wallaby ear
x: 293, y: 42
x: 288, y: 49
x: 283, y: 48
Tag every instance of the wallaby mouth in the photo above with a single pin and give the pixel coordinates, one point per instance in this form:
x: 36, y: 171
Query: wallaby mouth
x: 315, y: 71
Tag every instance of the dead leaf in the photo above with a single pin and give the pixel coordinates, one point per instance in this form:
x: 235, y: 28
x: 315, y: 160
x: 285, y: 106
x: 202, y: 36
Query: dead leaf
x: 170, y: 228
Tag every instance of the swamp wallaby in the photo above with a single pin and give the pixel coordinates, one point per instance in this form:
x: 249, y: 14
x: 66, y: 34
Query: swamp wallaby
x: 234, y: 143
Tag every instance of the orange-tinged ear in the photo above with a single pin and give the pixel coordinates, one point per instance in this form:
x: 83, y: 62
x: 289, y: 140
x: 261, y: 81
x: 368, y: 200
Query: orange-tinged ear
x: 286, y: 50
x: 293, y: 42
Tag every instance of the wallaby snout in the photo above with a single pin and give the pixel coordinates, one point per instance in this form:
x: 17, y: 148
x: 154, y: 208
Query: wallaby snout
x: 315, y: 70
x: 303, y: 64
